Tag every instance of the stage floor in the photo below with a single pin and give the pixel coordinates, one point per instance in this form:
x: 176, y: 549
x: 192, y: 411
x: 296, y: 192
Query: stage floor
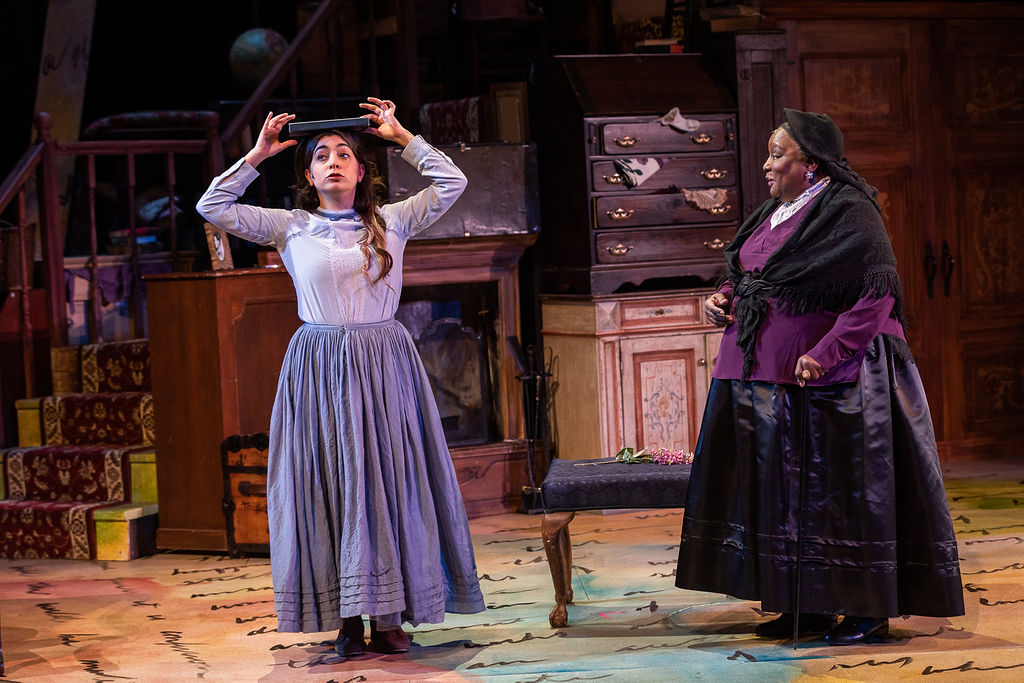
x: 176, y: 616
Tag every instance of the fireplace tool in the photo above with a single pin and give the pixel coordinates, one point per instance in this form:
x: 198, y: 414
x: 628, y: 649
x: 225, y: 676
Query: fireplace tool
x: 534, y: 385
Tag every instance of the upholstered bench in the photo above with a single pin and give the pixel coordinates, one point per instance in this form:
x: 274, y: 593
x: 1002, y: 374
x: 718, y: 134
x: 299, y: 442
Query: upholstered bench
x: 574, y: 485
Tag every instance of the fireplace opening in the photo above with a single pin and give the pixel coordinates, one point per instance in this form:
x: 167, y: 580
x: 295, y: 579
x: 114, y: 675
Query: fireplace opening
x: 454, y: 328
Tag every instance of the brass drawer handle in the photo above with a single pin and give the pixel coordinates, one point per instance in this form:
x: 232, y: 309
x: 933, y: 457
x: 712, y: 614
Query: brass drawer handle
x: 719, y: 210
x: 713, y: 173
x: 627, y: 141
x: 614, y: 179
x: 716, y: 244
x: 620, y: 214
x: 619, y: 249
x: 701, y: 139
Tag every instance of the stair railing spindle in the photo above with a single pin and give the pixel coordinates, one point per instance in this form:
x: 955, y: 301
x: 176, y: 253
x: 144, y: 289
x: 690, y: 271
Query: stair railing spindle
x: 95, y: 320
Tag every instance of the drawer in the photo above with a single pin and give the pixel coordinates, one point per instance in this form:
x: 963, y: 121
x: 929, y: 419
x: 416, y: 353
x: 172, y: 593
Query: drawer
x: 666, y: 244
x: 626, y: 211
x: 674, y: 172
x: 674, y: 311
x: 650, y: 137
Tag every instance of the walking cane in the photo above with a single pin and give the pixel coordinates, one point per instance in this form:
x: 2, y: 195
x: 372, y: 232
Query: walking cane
x: 801, y: 411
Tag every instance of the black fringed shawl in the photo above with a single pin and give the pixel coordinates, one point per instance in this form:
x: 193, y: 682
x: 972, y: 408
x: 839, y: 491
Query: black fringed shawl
x: 839, y: 254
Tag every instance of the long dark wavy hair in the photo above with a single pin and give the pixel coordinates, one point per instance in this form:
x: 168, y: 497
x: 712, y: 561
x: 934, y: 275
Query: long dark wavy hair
x: 366, y: 202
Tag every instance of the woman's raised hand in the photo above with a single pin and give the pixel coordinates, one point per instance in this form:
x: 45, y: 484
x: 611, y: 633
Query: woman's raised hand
x: 268, y: 143
x: 382, y: 112
x: 716, y: 310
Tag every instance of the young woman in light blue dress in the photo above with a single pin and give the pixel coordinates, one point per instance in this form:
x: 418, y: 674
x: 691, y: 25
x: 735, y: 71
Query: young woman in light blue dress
x: 365, y: 512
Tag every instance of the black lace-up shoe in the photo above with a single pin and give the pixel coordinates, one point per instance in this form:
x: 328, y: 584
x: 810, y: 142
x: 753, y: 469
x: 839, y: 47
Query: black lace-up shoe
x: 782, y: 626
x: 859, y: 631
x: 350, y: 641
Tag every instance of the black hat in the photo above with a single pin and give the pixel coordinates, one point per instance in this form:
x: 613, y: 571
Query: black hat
x: 817, y: 135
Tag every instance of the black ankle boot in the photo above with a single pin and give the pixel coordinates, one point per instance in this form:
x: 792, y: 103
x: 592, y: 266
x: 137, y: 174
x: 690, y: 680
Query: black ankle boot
x: 859, y: 631
x: 350, y: 640
x: 782, y: 626
x: 388, y: 642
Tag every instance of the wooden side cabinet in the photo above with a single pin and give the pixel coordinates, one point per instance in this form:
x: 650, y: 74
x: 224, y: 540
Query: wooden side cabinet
x: 217, y: 340
x: 628, y: 370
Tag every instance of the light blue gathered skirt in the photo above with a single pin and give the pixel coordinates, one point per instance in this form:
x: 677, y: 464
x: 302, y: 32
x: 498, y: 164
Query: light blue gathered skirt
x: 365, y: 511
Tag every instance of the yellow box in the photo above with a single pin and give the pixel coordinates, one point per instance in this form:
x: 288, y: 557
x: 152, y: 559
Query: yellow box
x: 30, y: 421
x: 142, y: 469
x: 124, y: 532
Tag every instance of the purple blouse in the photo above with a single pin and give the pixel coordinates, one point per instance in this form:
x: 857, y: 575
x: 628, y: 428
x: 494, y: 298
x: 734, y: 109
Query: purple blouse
x: 836, y: 340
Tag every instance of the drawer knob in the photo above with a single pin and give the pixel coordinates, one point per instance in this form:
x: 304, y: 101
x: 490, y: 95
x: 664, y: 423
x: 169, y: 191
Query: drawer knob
x: 713, y: 173
x: 716, y: 244
x: 614, y: 179
x: 619, y: 249
x: 620, y: 214
x: 719, y: 210
x: 627, y: 141
x: 701, y: 139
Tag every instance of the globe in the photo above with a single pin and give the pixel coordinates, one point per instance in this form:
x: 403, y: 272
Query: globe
x: 253, y: 55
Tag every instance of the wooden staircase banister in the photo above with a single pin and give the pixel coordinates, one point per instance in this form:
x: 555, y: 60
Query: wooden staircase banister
x: 14, y: 182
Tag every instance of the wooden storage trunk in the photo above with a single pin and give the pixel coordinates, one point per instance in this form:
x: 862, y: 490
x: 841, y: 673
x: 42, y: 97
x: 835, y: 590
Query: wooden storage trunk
x: 501, y: 196
x: 244, y: 459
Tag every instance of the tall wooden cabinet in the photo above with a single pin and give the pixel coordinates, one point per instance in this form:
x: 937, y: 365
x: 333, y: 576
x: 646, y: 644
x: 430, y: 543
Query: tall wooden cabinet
x: 928, y: 97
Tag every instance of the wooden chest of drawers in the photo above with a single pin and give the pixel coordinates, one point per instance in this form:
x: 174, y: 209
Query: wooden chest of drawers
x: 606, y: 234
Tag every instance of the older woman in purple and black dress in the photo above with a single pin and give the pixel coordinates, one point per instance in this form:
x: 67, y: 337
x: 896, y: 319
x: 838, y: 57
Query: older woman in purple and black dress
x: 816, y: 487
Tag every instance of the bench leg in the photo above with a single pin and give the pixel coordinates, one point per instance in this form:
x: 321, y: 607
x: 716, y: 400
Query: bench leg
x: 555, y: 533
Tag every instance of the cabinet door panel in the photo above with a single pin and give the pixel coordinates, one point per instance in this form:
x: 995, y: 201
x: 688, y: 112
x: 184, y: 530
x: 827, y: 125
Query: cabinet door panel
x: 663, y: 390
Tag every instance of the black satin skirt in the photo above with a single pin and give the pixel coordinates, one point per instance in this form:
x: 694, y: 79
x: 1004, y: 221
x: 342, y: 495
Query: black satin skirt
x: 832, y: 495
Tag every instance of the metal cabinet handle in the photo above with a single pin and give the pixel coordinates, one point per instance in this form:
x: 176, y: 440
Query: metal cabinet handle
x: 620, y: 214
x: 701, y: 138
x: 719, y: 210
x: 716, y: 244
x: 627, y: 141
x: 931, y: 267
x: 713, y: 173
x: 947, y: 267
x: 619, y: 249
x: 614, y: 179
x: 701, y: 362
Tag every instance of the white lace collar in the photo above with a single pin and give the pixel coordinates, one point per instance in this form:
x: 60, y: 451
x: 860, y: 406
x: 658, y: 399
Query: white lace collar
x: 787, y: 209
